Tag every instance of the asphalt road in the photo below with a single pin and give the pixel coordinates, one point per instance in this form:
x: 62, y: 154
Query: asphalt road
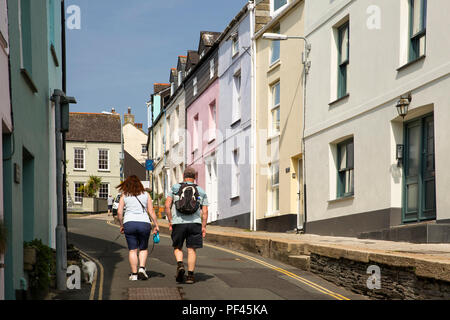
x: 221, y: 274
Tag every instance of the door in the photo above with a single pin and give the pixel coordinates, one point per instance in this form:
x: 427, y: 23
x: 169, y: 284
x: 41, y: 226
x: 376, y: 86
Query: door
x: 419, y: 171
x: 300, y: 218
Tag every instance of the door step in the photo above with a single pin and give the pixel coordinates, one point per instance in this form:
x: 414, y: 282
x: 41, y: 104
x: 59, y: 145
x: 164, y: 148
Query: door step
x: 300, y: 261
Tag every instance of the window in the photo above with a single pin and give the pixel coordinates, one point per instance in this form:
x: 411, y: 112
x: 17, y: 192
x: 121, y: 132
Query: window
x: 26, y: 36
x: 275, y: 47
x: 78, y: 194
x: 78, y: 159
x: 168, y: 132
x: 196, y: 134
x: 103, y: 159
x: 180, y: 78
x: 345, y: 169
x: 195, y: 86
x: 176, y: 125
x: 235, y: 45
x: 172, y: 88
x: 235, y: 174
x: 276, y: 6
x: 417, y: 33
x: 343, y: 58
x: 274, y: 188
x: 211, y: 68
x: 236, y: 107
x: 144, y: 148
x: 103, y: 191
x: 275, y: 109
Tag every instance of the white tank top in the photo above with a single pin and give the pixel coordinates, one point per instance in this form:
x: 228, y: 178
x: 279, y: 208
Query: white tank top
x: 133, y: 210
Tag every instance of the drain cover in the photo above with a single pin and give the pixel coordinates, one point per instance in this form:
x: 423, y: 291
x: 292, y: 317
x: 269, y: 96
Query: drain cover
x: 154, y: 294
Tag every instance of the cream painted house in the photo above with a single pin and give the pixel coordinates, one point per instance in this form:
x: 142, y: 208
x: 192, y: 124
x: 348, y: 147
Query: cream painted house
x: 369, y: 171
x: 93, y: 147
x: 278, y: 204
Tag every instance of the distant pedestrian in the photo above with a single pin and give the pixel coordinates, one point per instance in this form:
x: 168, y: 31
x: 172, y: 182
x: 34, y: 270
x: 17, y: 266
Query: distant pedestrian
x: 188, y: 221
x: 134, y: 205
x: 110, y: 203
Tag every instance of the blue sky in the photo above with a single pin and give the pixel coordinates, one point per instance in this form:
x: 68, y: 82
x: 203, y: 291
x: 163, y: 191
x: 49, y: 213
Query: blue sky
x: 124, y: 46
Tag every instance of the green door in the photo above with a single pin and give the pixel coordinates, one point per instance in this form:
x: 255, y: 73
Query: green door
x: 419, y: 201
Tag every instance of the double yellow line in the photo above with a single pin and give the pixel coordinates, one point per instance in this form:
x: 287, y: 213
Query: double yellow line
x: 270, y: 266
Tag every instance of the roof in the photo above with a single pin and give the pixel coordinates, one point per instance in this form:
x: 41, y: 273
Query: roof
x: 94, y: 127
x: 209, y: 37
x: 192, y: 59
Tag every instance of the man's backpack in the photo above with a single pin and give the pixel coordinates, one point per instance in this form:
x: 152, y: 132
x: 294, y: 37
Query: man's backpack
x: 188, y: 201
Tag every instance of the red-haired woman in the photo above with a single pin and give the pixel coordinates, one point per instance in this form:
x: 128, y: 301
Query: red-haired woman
x: 134, y: 205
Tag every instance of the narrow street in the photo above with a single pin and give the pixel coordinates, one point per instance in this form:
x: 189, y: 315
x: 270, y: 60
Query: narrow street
x: 221, y: 274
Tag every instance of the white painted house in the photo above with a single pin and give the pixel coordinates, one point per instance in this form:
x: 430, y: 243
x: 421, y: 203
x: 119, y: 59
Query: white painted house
x: 368, y: 169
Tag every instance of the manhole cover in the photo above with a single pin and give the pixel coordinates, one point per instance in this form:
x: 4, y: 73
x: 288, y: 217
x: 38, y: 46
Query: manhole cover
x: 154, y: 294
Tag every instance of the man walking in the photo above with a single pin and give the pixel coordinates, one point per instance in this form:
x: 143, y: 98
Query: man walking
x: 188, y: 221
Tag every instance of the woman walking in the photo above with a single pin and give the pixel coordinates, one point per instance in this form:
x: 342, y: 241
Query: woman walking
x: 134, y: 205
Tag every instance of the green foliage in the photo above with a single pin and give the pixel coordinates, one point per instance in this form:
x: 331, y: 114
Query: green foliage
x: 40, y: 276
x: 3, y: 237
x: 91, y: 187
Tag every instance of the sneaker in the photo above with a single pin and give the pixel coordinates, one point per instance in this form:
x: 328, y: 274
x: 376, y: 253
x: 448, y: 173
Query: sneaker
x: 133, y: 277
x: 190, y: 279
x: 180, y: 273
x: 142, y: 274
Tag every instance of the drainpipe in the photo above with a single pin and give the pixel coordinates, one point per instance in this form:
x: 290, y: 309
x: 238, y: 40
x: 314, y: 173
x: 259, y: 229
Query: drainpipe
x: 61, y: 110
x: 253, y: 203
x: 64, y: 89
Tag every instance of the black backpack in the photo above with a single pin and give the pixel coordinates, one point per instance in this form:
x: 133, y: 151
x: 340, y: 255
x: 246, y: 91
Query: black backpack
x: 188, y: 202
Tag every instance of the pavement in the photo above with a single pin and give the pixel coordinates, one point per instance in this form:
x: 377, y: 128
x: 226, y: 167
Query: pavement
x: 429, y: 261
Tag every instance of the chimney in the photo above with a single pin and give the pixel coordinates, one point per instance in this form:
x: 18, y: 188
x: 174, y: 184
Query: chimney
x: 113, y: 110
x: 128, y: 117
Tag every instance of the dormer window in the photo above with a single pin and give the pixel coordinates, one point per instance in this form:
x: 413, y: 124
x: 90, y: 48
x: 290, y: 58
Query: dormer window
x: 180, y: 78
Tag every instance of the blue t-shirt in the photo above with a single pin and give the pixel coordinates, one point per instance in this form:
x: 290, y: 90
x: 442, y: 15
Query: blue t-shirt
x: 179, y: 218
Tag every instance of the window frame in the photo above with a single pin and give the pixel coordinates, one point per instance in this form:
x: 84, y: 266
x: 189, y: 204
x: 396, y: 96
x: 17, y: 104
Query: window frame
x: 77, y: 192
x: 274, y: 12
x: 194, y: 85
x: 235, y: 45
x: 107, y: 160
x: 100, y: 188
x: 236, y: 105
x: 235, y: 174
x: 341, y: 173
x: 275, y: 29
x: 274, y: 187
x: 212, y: 68
x: 342, y: 87
x: 415, y: 38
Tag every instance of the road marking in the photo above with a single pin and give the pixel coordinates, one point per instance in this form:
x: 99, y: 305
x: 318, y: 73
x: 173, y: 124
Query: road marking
x: 94, y: 284
x: 270, y: 266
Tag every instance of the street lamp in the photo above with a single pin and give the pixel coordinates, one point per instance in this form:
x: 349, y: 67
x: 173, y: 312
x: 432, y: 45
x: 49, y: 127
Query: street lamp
x: 403, y: 105
x: 306, y: 66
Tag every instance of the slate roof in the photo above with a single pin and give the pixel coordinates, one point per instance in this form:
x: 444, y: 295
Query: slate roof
x: 94, y: 127
x: 192, y: 59
x: 209, y: 37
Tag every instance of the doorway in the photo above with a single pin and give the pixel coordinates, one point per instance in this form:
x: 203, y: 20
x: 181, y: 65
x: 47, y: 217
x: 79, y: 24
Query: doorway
x: 211, y: 188
x: 419, y: 188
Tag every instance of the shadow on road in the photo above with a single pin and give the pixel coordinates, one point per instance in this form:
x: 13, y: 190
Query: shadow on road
x: 107, y: 251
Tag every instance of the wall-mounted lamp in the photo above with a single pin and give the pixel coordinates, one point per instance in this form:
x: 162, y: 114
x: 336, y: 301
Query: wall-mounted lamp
x: 403, y: 105
x: 399, y: 154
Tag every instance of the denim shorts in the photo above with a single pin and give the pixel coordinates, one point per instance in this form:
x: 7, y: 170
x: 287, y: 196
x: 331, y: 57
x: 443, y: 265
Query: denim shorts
x: 137, y: 234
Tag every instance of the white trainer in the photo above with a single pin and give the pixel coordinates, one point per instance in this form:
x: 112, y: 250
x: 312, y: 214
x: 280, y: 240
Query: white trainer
x: 133, y: 277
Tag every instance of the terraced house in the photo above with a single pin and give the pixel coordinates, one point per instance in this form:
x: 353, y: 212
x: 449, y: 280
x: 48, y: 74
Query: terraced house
x: 279, y: 92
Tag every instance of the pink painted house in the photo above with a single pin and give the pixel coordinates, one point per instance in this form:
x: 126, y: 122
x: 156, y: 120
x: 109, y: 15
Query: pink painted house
x: 5, y: 112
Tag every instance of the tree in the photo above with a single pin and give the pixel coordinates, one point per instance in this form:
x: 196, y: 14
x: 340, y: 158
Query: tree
x: 91, y: 187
